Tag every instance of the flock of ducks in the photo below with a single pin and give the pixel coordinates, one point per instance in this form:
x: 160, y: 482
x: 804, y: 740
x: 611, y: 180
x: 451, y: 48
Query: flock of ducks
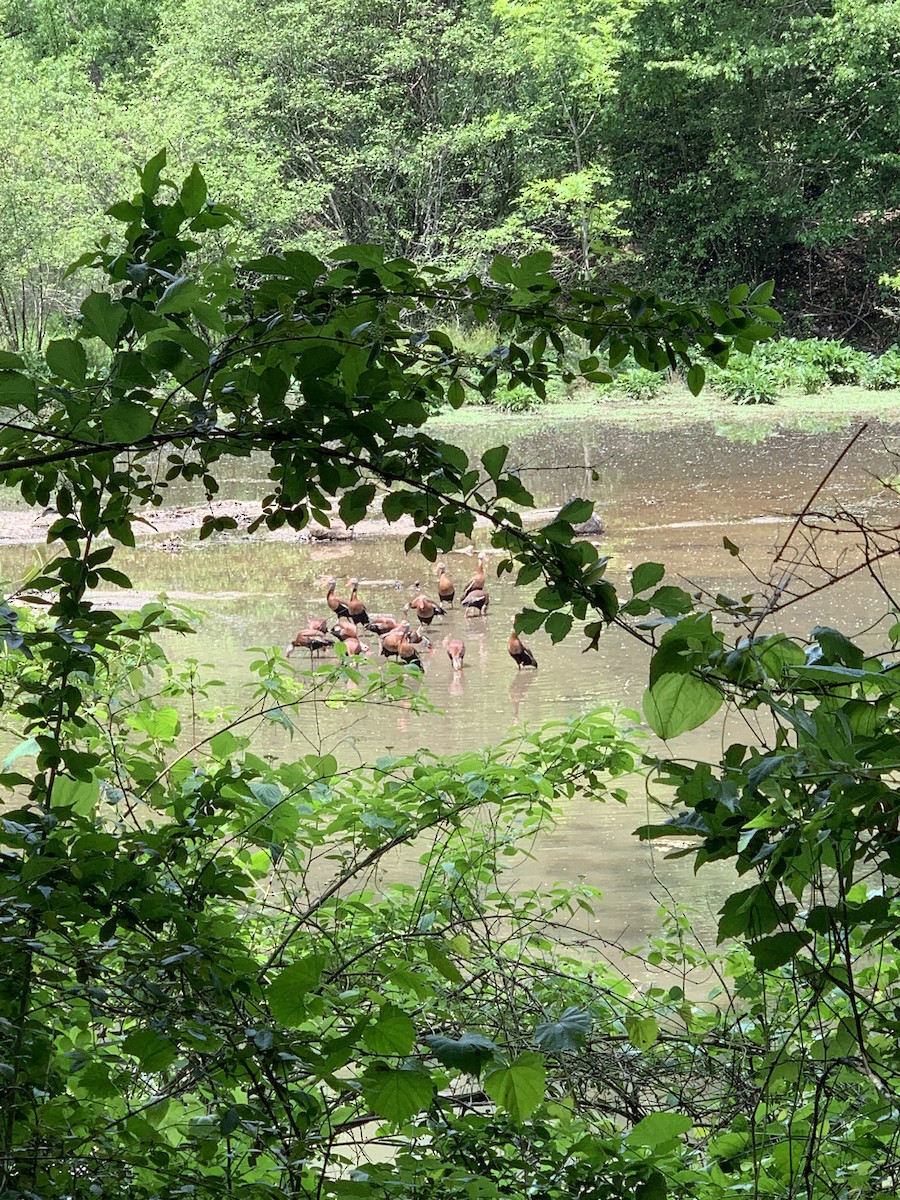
x: 398, y: 639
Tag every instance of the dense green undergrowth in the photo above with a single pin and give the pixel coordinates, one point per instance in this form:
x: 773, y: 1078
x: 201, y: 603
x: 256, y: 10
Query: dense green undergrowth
x: 214, y: 982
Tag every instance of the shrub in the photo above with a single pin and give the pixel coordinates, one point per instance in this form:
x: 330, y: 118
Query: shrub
x: 640, y: 384
x: 747, y: 381
x: 882, y: 374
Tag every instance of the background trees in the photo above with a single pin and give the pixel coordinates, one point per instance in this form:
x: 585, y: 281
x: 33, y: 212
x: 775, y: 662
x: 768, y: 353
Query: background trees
x: 703, y: 145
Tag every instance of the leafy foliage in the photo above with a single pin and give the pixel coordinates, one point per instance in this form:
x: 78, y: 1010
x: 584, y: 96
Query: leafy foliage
x: 209, y: 987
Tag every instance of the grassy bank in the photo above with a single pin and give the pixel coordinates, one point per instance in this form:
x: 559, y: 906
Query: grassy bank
x: 675, y: 406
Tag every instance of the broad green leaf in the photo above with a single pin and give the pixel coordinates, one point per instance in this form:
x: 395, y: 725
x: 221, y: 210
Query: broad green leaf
x: 558, y: 625
x: 17, y: 391
x: 659, y: 1127
x: 78, y: 794
x: 150, y: 175
x: 441, y: 961
x: 103, y: 317
x: 397, y: 1093
x: 642, y: 1031
x: 494, y: 459
x: 517, y: 1087
x: 285, y: 994
x: 193, y: 192
x: 575, y: 511
x: 646, y: 576
x: 127, y: 421
x: 775, y: 951
x: 392, y: 1033
x: 678, y: 703
x: 696, y: 377
x: 67, y: 359
x: 570, y: 1032
x: 469, y: 1053
x: 152, y: 1050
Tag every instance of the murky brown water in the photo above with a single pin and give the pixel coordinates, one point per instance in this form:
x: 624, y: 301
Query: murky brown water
x: 667, y: 497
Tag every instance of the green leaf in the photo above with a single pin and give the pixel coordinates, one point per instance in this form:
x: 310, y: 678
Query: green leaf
x: 575, y: 511
x: 392, y: 1033
x: 671, y: 601
x: 103, y: 317
x: 152, y: 1050
x: 468, y: 1053
x: 286, y: 992
x: 642, y: 1031
x: 456, y: 394
x: 150, y: 175
x: 494, y: 459
x: 659, y: 1127
x: 570, y: 1032
x: 193, y: 192
x: 646, y: 576
x: 558, y: 626
x: 442, y: 962
x: 678, y: 703
x: 127, y: 421
x: 17, y: 391
x: 696, y: 377
x: 66, y: 359
x: 397, y: 1093
x: 518, y: 1087
x: 78, y: 794
x: 775, y: 951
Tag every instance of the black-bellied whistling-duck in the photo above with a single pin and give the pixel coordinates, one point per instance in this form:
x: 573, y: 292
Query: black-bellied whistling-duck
x: 318, y: 624
x: 519, y: 652
x: 417, y: 637
x: 476, y: 603
x: 337, y: 606
x: 407, y: 652
x: 354, y: 646
x: 390, y: 642
x: 424, y: 607
x: 456, y: 651
x: 344, y: 629
x: 309, y: 639
x: 355, y: 607
x: 476, y: 583
x: 446, y: 587
x: 381, y: 623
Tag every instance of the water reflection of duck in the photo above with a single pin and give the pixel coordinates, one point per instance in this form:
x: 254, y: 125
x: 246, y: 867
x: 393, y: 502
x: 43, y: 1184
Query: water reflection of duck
x: 517, y: 689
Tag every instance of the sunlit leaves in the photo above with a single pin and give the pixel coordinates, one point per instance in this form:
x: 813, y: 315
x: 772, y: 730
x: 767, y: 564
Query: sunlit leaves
x: 286, y: 993
x: 517, y: 1087
x: 397, y: 1093
x: 102, y: 317
x: 658, y: 1128
x: 678, y: 703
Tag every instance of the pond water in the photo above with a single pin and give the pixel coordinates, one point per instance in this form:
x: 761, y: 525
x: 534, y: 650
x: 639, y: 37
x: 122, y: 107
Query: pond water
x: 665, y: 496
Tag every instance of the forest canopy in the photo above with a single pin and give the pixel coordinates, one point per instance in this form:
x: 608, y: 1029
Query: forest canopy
x: 680, y: 149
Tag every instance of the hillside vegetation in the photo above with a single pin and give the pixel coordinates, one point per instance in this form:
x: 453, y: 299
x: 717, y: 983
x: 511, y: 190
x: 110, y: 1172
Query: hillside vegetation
x: 640, y: 139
